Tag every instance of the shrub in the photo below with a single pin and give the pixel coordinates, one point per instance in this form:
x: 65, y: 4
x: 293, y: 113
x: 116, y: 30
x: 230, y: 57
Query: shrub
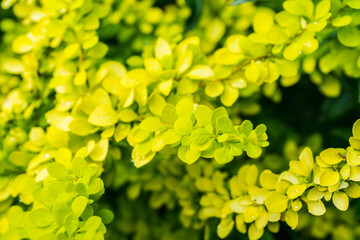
x: 145, y: 119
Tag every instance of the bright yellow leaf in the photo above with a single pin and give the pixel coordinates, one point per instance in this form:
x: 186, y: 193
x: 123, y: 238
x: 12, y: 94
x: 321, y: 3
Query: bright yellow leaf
x: 100, y: 150
x: 201, y: 72
x: 296, y: 190
x: 276, y: 202
x: 316, y: 208
x: 291, y: 218
x: 162, y: 48
x: 341, y: 201
x: 331, y: 156
x: 103, y: 116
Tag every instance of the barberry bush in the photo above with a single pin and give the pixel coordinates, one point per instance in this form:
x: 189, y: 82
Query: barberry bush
x: 212, y: 119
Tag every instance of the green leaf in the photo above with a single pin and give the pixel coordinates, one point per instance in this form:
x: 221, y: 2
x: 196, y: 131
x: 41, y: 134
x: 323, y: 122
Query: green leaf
x: 95, y: 186
x: 127, y: 115
x: 93, y: 223
x: 106, y: 215
x: 185, y: 107
x: 81, y: 188
x: 151, y: 124
x: 169, y: 113
x: 103, y: 116
x: 214, y: 89
x: 217, y: 113
x: 57, y: 170
x: 200, y: 136
x: 171, y: 137
x: 191, y: 156
x: 316, y: 208
x: 301, y: 8
x: 355, y: 4
x: 183, y: 126
x: 222, y: 155
x: 200, y: 72
x: 341, y: 201
x: 322, y: 8
x: 41, y: 217
x: 260, y: 129
x: 276, y: 202
x: 349, y: 36
x: 252, y: 72
x: 202, y: 115
x: 287, y: 68
x: 246, y: 127
x: 188, y: 155
x: 156, y: 104
x: 229, y: 96
x: 60, y: 210
x: 71, y: 223
x: 51, y: 191
x: 79, y: 166
x: 341, y: 21
x: 121, y: 131
x: 81, y: 127
x: 225, y: 125
x: 162, y: 48
x: 253, y: 150
x: 100, y: 150
x: 235, y: 149
x: 225, y: 227
x: 200, y: 139
x: 291, y: 218
x: 78, y: 205
x: 22, y: 44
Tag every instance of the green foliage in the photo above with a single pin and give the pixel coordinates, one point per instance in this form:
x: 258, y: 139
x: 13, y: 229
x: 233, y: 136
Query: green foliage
x: 113, y: 111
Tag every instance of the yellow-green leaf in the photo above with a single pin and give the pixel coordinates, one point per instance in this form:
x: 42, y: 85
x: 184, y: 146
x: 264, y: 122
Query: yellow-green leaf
x: 162, y: 48
x: 127, y: 115
x: 225, y: 227
x: 152, y: 124
x: 341, y: 21
x: 353, y: 158
x: 22, y: 44
x: 316, y: 208
x: 353, y: 190
x: 254, y: 232
x: 214, y: 89
x: 349, y: 36
x: 341, y: 201
x: 57, y: 170
x: 276, y: 202
x: 100, y: 150
x: 331, y: 86
x: 81, y: 127
x: 329, y: 177
x: 356, y: 129
x: 322, y: 8
x: 287, y: 68
x: 291, y: 218
x: 103, y: 116
x: 263, y: 20
x: 331, y: 156
x: 296, y: 190
x: 78, y: 205
x: 268, y: 179
x: 250, y: 214
x: 201, y: 72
